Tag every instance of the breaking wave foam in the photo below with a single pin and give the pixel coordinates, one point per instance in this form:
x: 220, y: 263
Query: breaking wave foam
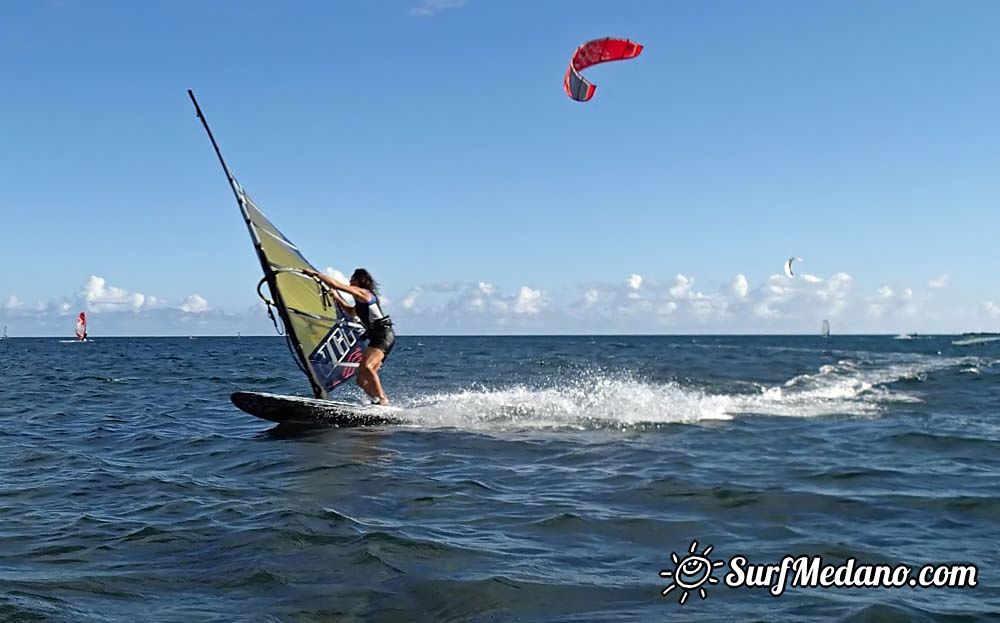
x: 597, y: 402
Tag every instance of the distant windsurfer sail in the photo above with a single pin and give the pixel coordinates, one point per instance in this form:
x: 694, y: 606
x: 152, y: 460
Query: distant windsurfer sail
x: 81, y: 327
x: 325, y: 342
x: 825, y: 329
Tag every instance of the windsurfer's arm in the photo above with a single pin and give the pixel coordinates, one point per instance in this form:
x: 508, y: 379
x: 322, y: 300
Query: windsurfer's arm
x: 349, y: 309
x: 338, y: 285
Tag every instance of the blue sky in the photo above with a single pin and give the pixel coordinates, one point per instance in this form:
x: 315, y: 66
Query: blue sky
x: 431, y: 142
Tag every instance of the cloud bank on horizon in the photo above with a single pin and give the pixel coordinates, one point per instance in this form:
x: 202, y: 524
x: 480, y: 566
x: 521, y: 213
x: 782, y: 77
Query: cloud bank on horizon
x: 117, y: 311
x: 636, y: 304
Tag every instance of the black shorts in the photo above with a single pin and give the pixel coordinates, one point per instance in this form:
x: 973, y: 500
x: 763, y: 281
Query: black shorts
x: 382, y: 338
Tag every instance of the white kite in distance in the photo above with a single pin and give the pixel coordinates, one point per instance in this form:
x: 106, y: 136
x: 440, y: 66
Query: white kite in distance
x: 788, y: 265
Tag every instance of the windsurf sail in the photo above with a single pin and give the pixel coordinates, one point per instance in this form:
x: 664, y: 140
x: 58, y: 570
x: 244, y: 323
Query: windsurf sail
x: 825, y: 330
x: 81, y: 326
x: 788, y: 265
x: 325, y: 342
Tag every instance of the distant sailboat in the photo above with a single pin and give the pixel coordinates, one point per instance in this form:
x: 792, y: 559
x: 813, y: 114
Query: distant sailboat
x: 4, y: 336
x: 825, y: 330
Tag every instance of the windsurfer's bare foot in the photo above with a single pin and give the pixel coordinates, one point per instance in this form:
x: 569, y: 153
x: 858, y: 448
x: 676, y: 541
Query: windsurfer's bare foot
x: 383, y: 400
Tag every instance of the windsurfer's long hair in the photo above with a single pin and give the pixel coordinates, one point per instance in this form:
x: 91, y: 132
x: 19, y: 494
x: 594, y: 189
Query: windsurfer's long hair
x: 363, y: 279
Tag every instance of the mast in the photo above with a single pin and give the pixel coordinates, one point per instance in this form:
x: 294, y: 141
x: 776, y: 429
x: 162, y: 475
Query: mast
x: 218, y: 152
x: 269, y: 274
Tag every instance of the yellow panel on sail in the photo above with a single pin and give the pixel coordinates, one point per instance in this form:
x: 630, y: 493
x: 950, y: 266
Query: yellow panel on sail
x: 327, y: 346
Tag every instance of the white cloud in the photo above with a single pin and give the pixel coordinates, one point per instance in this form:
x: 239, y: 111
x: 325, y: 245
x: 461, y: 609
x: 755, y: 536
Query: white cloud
x: 681, y: 286
x: 740, y: 286
x: 194, y: 304
x: 330, y: 271
x: 528, y: 301
x: 763, y: 310
x: 938, y: 282
x: 336, y: 274
x: 98, y: 296
x: 775, y: 304
x: 13, y: 303
x: 116, y: 311
x: 426, y: 8
x: 155, y: 302
x: 635, y: 304
x: 443, y: 286
x: 779, y: 302
x: 893, y: 304
x: 410, y: 300
x: 480, y: 306
x: 834, y: 292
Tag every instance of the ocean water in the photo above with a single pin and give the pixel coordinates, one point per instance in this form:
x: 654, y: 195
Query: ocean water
x: 536, y: 479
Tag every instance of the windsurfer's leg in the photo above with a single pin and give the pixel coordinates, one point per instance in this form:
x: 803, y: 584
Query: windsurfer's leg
x: 370, y: 364
x: 364, y: 381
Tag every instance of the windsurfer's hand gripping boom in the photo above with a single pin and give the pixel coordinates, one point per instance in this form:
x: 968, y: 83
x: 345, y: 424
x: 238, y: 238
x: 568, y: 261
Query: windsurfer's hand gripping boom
x: 336, y: 285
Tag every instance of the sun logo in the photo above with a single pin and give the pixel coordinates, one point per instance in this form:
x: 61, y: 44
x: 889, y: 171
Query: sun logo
x: 691, y: 572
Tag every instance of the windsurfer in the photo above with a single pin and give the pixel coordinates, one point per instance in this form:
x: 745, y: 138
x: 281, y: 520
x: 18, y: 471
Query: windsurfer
x: 378, y: 326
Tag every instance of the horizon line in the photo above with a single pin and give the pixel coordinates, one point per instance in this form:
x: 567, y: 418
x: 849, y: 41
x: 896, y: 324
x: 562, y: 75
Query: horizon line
x: 408, y: 335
